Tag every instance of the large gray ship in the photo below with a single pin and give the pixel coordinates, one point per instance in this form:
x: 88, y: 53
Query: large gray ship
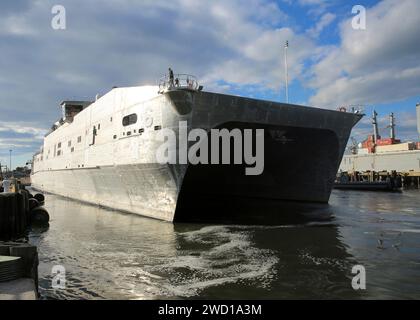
x: 104, y: 153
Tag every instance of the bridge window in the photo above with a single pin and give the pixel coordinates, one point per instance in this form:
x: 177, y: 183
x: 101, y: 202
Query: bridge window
x: 129, y: 120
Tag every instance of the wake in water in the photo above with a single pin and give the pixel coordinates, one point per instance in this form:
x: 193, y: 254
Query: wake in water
x: 208, y: 257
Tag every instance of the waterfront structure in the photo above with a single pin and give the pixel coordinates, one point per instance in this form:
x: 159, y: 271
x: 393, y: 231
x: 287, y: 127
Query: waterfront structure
x: 385, y: 154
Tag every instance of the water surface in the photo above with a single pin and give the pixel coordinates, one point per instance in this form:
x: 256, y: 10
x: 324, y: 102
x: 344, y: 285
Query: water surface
x: 111, y: 255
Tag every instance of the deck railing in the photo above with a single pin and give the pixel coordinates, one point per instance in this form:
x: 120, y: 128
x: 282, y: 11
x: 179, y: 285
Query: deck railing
x: 179, y: 81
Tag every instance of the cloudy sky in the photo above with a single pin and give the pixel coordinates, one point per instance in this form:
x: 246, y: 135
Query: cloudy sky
x: 233, y: 46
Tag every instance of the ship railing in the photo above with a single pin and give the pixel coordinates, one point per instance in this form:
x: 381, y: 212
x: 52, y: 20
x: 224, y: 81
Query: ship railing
x: 179, y: 81
x: 352, y: 108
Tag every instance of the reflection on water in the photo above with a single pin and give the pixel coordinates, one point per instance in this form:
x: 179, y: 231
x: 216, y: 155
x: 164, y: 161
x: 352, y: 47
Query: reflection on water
x: 110, y: 255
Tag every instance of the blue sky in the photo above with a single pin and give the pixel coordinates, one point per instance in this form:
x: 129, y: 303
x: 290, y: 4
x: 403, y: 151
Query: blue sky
x: 232, y: 46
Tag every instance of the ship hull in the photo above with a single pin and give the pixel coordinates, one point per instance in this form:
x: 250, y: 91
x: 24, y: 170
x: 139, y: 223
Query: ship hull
x: 146, y: 189
x: 302, y: 151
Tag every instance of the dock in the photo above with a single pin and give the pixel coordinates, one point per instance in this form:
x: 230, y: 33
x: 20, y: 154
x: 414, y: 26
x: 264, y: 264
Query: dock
x: 21, y: 289
x: 19, y: 259
x: 378, y: 158
x: 18, y: 271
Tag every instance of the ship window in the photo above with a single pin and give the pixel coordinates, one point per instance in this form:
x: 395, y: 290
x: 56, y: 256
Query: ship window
x: 158, y: 127
x: 115, y: 136
x: 72, y: 149
x: 141, y: 130
x: 134, y: 130
x: 69, y: 143
x: 128, y: 133
x: 129, y: 120
x: 123, y: 133
x: 58, y: 153
x: 79, y: 139
x: 110, y: 119
x: 59, y: 145
x: 99, y: 126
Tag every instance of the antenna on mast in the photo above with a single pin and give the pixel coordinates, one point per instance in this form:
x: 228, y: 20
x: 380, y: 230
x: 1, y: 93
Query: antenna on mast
x: 286, y: 46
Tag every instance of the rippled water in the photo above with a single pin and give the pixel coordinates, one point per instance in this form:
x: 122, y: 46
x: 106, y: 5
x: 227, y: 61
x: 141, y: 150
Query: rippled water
x: 110, y: 255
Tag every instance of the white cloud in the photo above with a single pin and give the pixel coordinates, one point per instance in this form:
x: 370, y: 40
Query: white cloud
x: 127, y: 43
x: 17, y: 26
x: 317, y: 7
x: 376, y: 65
x: 259, y: 61
x: 22, y: 128
x: 324, y: 22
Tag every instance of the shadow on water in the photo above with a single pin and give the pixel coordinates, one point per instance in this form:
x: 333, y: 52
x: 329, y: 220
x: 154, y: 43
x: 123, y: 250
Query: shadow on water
x: 38, y: 229
x: 249, y: 211
x: 110, y: 255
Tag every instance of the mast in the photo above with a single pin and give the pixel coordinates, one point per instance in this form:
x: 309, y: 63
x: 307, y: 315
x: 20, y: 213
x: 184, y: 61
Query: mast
x: 286, y: 46
x: 392, y: 125
x: 375, y: 127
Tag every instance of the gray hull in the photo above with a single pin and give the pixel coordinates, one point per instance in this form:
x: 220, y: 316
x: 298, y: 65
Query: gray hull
x: 299, y: 169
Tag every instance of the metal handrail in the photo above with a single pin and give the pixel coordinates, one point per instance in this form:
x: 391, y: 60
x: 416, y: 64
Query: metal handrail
x: 180, y: 81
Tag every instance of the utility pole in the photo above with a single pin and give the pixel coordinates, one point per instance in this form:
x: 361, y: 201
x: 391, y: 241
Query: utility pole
x: 286, y: 46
